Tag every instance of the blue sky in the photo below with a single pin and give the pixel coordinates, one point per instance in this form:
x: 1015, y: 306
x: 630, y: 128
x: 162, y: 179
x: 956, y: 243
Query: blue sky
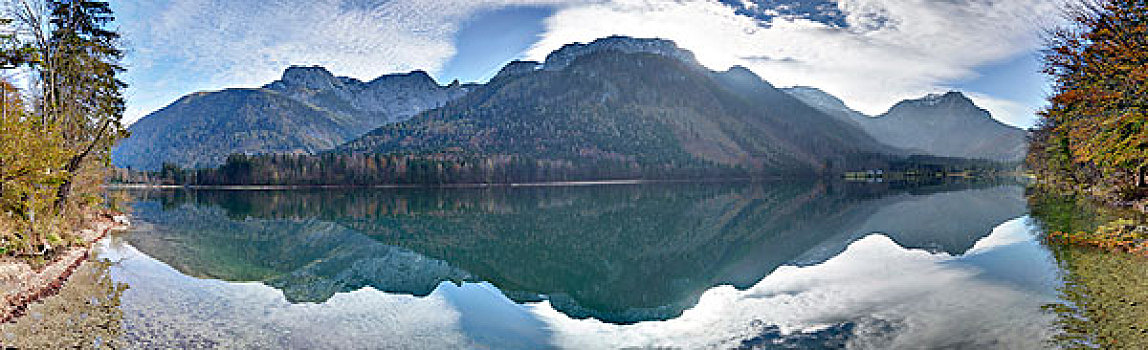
x: 490, y: 39
x: 871, y: 53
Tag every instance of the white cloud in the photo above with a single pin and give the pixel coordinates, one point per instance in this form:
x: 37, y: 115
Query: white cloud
x: 245, y: 41
x: 892, y: 50
x: 895, y: 298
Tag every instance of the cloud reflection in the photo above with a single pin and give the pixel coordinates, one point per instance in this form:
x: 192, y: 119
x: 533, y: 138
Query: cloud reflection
x: 875, y: 294
x: 880, y: 294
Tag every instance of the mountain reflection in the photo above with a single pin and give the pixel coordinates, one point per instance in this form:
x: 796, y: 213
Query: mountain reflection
x: 620, y: 254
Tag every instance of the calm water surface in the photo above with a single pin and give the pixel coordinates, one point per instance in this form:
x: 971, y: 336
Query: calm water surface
x: 804, y: 265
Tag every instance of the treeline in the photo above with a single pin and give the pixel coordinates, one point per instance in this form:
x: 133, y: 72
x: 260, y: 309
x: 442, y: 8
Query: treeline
x: 442, y: 169
x: 55, y: 134
x: 406, y: 169
x: 1093, y: 138
x: 932, y: 166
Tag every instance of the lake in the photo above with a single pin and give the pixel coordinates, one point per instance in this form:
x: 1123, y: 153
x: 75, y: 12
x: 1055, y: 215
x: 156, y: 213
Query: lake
x: 764, y: 265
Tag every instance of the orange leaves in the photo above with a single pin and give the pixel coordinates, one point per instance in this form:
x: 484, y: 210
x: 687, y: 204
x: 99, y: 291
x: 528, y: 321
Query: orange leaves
x: 1119, y: 236
x: 1100, y: 66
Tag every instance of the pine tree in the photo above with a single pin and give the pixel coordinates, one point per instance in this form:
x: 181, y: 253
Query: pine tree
x: 61, y: 140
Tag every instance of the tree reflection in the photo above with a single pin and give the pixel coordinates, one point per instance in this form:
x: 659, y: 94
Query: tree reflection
x: 616, y: 253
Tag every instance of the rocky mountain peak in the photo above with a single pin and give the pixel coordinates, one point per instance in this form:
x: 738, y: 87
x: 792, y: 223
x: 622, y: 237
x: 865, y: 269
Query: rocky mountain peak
x: 562, y: 58
x: 948, y: 99
x: 416, y: 79
x: 810, y: 93
x: 819, y: 99
x: 744, y: 74
x: 746, y: 81
x: 946, y: 106
x: 309, y: 77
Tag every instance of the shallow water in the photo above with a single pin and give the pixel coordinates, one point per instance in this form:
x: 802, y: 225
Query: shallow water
x: 806, y: 265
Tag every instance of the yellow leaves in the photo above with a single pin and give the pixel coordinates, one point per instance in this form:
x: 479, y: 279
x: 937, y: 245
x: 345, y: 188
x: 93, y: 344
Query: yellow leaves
x: 1121, y: 235
x: 31, y: 161
x: 1102, y: 86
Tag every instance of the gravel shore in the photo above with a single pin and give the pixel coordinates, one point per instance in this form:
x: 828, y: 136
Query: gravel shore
x: 22, y: 284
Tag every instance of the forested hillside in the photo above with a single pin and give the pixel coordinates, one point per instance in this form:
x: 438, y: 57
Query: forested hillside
x: 331, y: 169
x: 649, y: 110
x: 1093, y: 138
x: 201, y: 130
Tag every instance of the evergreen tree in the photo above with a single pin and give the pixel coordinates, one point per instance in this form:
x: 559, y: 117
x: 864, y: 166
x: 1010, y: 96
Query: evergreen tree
x: 55, y: 149
x: 77, y: 60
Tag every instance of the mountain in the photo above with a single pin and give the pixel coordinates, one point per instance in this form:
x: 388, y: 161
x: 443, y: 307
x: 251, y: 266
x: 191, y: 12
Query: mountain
x: 948, y: 125
x: 307, y: 111
x: 388, y: 98
x: 638, y: 102
x: 202, y: 129
x: 629, y: 106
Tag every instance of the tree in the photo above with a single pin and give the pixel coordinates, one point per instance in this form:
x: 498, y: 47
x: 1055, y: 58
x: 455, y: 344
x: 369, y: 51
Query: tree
x: 1098, y: 115
x: 55, y: 148
x: 30, y: 159
x: 77, y: 60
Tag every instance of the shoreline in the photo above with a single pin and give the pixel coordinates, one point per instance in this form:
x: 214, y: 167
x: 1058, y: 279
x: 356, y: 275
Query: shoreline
x: 23, y: 285
x: 629, y: 182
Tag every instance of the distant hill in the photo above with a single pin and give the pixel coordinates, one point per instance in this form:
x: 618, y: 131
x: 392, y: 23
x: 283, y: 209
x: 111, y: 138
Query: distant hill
x: 948, y: 125
x: 644, y: 102
x: 307, y: 111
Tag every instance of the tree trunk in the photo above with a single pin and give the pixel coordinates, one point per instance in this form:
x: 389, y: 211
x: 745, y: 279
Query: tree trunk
x: 1140, y: 172
x: 65, y: 189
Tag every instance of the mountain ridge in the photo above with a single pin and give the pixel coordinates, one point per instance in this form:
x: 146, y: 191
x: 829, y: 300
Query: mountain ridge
x: 565, y: 55
x: 948, y: 124
x: 202, y: 129
x: 635, y: 104
x: 692, y: 115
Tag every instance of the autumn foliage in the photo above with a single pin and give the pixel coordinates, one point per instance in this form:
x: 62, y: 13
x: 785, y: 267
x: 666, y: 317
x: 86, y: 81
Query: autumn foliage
x: 56, y: 134
x: 1122, y: 235
x: 1094, y: 135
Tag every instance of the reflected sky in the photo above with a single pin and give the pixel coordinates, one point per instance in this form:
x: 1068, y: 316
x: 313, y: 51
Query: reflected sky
x: 885, y: 295
x: 619, y: 254
x: 875, y: 294
x: 949, y: 267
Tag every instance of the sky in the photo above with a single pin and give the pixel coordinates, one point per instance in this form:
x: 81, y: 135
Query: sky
x: 870, y: 53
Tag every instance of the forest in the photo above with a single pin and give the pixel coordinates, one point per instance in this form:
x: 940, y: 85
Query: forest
x: 332, y: 169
